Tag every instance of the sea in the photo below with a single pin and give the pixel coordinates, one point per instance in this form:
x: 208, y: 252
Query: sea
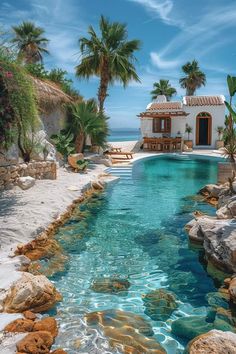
x: 124, y: 134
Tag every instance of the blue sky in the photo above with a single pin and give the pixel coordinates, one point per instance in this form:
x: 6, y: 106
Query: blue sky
x: 172, y: 32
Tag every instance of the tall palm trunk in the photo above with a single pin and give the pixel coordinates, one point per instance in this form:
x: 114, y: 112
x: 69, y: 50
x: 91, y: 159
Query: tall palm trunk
x: 79, y: 142
x: 103, y: 87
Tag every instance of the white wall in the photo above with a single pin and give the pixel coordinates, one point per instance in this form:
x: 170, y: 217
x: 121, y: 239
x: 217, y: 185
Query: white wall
x: 179, y: 123
x: 218, y: 117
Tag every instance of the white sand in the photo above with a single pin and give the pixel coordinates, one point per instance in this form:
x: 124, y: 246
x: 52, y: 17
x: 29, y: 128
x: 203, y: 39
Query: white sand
x: 24, y: 214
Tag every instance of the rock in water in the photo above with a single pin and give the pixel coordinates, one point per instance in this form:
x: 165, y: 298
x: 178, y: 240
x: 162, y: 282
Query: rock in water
x: 36, y: 343
x: 213, y: 342
x: 159, y: 304
x: 31, y: 292
x: 110, y: 285
x: 26, y: 182
x: 126, y: 331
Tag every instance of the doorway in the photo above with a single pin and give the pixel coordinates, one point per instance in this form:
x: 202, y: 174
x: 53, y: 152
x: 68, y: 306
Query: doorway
x: 203, y: 129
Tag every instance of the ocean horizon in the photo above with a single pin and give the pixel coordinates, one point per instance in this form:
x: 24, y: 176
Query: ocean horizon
x: 124, y: 134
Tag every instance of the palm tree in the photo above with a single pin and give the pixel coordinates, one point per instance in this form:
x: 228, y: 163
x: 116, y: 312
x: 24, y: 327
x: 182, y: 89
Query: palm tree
x: 163, y: 87
x: 194, y: 78
x: 110, y: 56
x: 85, y: 121
x: 30, y: 42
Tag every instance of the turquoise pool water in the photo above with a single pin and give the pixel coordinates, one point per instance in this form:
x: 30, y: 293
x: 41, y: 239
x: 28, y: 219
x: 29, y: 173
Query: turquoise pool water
x: 117, y: 238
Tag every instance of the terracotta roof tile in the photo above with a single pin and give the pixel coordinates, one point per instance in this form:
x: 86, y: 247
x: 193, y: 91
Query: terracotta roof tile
x: 164, y: 106
x: 203, y: 100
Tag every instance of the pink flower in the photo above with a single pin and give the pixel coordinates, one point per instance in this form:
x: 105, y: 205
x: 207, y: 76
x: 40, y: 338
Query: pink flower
x: 9, y: 74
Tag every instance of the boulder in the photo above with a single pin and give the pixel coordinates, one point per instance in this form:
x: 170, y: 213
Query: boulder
x: 20, y: 325
x: 228, y: 210
x: 36, y: 343
x: 73, y: 158
x: 213, y: 342
x: 31, y: 292
x: 214, y: 190
x: 232, y: 290
x: 26, y: 182
x: 46, y: 324
x: 29, y: 315
x: 58, y: 351
x: 159, y: 304
x: 110, y: 285
x: 126, y: 330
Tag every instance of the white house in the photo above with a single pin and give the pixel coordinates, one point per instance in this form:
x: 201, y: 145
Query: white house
x: 203, y: 114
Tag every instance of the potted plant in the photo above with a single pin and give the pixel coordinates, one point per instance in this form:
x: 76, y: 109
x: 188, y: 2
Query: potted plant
x: 220, y: 141
x: 188, y: 142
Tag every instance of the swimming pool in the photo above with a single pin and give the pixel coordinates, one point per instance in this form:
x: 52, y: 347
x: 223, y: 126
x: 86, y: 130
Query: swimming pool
x: 134, y: 231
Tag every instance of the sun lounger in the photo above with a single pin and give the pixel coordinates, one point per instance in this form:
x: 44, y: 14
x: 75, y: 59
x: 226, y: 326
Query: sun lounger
x: 128, y: 154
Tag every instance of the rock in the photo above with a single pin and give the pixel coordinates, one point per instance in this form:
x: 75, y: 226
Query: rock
x: 232, y: 290
x: 228, y: 210
x: 29, y: 315
x: 30, y: 292
x: 110, y: 285
x: 190, y: 327
x: 219, y: 241
x: 58, y: 351
x: 159, y: 304
x: 26, y: 182
x: 213, y: 342
x: 97, y: 185
x: 20, y: 325
x: 36, y: 343
x: 46, y: 324
x: 217, y: 300
x: 214, y: 190
x: 126, y: 330
x: 73, y: 158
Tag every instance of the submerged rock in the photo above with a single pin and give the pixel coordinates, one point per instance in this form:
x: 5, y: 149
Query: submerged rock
x: 213, y: 342
x: 30, y: 292
x: 159, y: 304
x: 126, y: 331
x: 110, y: 285
x: 193, y: 326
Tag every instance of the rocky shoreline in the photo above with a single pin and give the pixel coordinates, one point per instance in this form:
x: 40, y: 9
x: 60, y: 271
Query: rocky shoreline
x: 24, y: 295
x: 217, y: 235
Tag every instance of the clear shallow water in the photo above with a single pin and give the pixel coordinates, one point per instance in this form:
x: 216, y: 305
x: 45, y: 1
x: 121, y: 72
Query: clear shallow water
x: 116, y: 239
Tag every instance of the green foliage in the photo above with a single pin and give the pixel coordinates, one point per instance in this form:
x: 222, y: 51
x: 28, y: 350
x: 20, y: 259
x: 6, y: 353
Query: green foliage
x: 188, y: 130
x: 37, y: 70
x: 108, y: 55
x: 163, y: 87
x: 82, y: 164
x: 84, y: 121
x: 64, y: 143
x: 194, y: 78
x: 220, y: 131
x: 29, y: 41
x: 230, y: 132
x: 19, y: 113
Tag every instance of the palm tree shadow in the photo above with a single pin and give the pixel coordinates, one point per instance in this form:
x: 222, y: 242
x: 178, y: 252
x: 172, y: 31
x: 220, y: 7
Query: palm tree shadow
x: 8, y: 202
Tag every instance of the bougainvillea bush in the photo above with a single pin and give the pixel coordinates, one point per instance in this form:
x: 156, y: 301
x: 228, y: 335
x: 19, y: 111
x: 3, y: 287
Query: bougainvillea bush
x: 18, y: 108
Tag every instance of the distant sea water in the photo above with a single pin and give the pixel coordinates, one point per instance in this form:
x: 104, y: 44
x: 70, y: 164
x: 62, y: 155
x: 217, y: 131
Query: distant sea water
x: 125, y: 134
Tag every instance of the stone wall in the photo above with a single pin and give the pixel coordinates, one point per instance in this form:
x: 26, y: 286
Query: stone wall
x: 37, y: 169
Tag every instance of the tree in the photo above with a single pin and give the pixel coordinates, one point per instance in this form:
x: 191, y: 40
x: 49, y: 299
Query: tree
x: 109, y: 56
x: 163, y: 87
x: 194, y: 78
x: 30, y: 42
x: 84, y: 120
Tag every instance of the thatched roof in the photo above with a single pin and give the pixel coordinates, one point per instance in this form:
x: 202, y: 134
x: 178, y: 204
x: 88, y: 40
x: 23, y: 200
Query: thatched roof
x: 50, y: 96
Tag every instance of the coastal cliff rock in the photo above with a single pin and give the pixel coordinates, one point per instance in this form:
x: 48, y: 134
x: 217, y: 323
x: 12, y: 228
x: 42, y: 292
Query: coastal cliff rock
x: 228, y: 210
x: 30, y: 292
x: 213, y: 342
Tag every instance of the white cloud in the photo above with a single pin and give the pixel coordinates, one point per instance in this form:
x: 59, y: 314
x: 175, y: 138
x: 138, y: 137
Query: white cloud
x: 161, y: 9
x: 163, y: 64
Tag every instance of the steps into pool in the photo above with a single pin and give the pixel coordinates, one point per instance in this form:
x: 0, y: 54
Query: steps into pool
x: 122, y: 172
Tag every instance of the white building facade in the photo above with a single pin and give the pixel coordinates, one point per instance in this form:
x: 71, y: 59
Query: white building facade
x: 169, y: 119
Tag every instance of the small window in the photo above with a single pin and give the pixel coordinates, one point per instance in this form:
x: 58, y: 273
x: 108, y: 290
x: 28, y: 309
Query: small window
x: 161, y: 125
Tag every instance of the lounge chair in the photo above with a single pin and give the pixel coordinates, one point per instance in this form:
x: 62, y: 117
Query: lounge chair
x: 127, y: 154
